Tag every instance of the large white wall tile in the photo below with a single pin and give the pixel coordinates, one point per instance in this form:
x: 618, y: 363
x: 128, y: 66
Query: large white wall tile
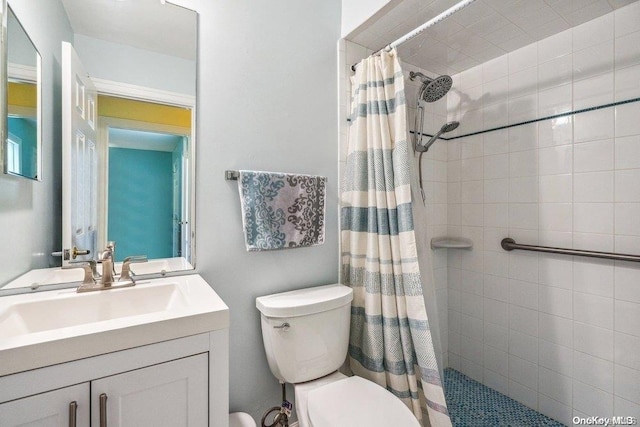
x: 556, y: 301
x: 593, y: 371
x: 626, y: 19
x: 594, y: 125
x: 627, y: 188
x: 593, y: 187
x: 556, y: 216
x: 556, y: 160
x: 525, y: 395
x: 627, y: 277
x: 627, y: 383
x: 523, y: 320
x: 590, y: 400
x: 627, y: 152
x: 524, y: 294
x: 626, y: 219
x: 627, y: 83
x: 594, y: 156
x: 593, y: 217
x: 555, y: 386
x: 627, y: 350
x: 597, y: 59
x: 627, y: 122
x: 627, y: 317
x: 593, y: 91
x: 554, y: 409
x: 593, y: 310
x: 555, y: 357
x: 556, y: 72
x: 593, y: 276
x: 592, y: 340
x: 627, y: 51
x: 555, y: 46
x: 554, y: 270
x: 556, y: 188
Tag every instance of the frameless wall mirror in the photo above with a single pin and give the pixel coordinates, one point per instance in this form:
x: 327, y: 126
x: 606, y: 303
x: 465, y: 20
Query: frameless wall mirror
x: 22, y: 148
x: 128, y: 98
x: 127, y: 132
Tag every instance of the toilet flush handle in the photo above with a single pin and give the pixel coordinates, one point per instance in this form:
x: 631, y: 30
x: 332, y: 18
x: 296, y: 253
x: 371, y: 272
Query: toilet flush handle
x: 285, y: 326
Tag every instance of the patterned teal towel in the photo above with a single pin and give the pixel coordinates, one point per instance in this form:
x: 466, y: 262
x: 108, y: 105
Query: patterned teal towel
x: 281, y: 211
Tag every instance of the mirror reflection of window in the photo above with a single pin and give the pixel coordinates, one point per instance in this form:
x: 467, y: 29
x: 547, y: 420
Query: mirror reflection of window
x: 14, y: 148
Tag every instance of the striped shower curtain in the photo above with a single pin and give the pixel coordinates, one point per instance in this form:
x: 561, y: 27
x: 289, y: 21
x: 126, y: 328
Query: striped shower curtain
x: 390, y: 341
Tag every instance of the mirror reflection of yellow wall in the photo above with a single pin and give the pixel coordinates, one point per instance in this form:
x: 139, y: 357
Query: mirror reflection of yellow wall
x: 22, y: 139
x: 141, y: 111
x: 22, y: 95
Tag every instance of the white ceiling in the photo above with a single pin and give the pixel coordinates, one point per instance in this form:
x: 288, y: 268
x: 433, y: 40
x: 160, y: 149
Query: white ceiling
x: 145, y: 24
x: 482, y: 31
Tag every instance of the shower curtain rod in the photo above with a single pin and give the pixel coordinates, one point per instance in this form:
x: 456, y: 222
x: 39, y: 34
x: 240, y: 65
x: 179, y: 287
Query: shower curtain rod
x: 447, y: 13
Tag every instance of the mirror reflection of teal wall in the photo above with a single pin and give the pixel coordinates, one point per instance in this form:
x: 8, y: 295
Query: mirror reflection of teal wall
x: 140, y: 208
x: 23, y: 146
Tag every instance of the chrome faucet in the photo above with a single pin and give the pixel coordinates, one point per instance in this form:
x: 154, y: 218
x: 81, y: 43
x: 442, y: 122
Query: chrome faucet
x: 108, y: 269
x: 107, y: 279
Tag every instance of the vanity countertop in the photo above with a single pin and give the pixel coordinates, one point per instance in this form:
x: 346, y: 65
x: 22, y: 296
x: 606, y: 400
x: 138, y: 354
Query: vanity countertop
x: 46, y: 328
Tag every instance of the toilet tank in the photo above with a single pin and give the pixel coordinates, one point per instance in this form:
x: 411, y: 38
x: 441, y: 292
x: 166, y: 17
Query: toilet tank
x: 316, y: 340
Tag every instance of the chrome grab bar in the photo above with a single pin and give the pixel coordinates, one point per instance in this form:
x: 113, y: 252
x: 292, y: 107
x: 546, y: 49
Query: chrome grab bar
x: 509, y: 244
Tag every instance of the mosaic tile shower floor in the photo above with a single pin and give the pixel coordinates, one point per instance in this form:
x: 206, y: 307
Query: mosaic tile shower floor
x: 472, y: 404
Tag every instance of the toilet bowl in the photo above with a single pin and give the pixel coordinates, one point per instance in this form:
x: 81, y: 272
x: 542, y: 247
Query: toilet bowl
x: 306, y: 336
x: 241, y: 419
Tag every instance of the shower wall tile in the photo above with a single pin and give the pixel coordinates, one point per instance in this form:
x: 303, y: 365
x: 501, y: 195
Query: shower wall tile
x: 523, y: 394
x: 554, y: 409
x: 558, y: 333
x: 593, y: 371
x: 555, y: 386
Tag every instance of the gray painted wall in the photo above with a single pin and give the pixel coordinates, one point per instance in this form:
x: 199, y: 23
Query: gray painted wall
x: 128, y: 64
x: 30, y: 219
x: 267, y: 100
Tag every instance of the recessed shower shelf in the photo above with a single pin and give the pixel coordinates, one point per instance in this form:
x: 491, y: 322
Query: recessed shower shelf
x: 451, y: 243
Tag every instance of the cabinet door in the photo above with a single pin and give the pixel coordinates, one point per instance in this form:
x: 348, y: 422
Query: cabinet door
x: 172, y: 394
x: 52, y: 409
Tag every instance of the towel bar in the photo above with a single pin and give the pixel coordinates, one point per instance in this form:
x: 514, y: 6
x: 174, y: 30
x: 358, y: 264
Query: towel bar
x: 231, y: 175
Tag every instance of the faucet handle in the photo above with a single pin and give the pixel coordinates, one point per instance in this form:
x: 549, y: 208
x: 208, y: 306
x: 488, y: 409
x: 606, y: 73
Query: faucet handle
x: 126, y: 273
x: 92, y: 263
x: 88, y: 271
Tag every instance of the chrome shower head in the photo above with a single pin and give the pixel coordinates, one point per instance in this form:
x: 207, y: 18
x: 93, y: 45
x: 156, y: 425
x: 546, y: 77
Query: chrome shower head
x: 432, y: 89
x: 447, y: 127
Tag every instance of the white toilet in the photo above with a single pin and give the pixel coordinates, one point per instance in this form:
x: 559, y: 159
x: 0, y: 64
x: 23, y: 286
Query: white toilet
x: 306, y: 337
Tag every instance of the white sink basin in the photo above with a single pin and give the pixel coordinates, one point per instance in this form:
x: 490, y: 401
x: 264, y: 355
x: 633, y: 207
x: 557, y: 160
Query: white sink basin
x: 44, y: 328
x: 71, y: 309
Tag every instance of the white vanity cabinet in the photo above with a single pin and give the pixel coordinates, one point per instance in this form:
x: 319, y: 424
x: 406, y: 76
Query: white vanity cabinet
x: 67, y: 406
x: 168, y: 384
x: 170, y: 394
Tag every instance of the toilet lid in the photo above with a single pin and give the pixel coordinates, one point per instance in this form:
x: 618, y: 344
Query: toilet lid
x: 356, y: 402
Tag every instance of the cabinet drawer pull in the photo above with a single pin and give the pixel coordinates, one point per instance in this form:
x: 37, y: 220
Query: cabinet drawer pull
x: 103, y: 410
x: 73, y: 409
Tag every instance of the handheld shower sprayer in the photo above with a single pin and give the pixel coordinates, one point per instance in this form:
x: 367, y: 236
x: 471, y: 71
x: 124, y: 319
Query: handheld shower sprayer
x: 422, y: 148
x: 447, y: 127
